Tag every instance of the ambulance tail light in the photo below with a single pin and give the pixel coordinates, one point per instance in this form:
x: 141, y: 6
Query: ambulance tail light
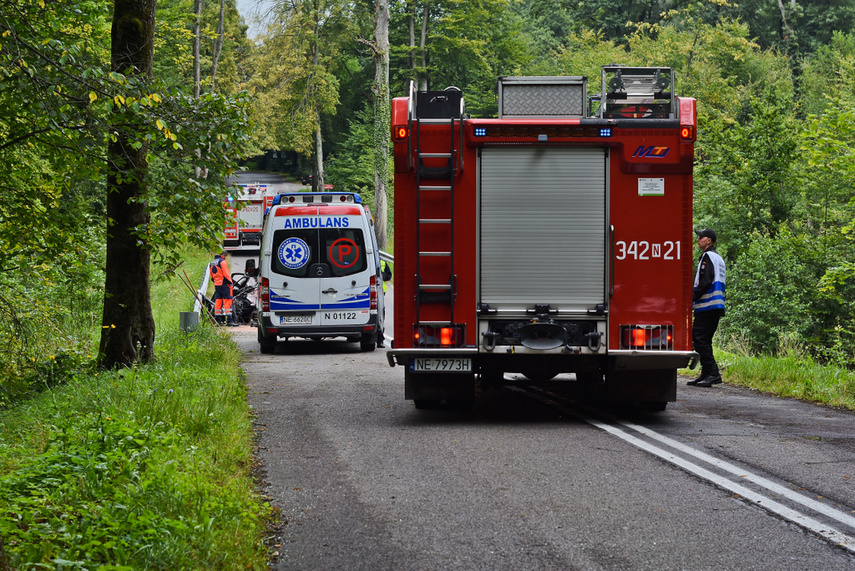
x: 372, y: 292
x: 647, y: 337
x: 265, y: 294
x: 435, y: 336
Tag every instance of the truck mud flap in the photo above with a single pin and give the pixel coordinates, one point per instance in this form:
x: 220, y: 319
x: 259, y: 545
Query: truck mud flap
x: 646, y: 385
x: 438, y: 386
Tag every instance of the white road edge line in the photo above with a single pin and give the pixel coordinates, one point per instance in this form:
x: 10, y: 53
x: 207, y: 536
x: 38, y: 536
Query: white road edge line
x: 816, y: 506
x: 797, y: 517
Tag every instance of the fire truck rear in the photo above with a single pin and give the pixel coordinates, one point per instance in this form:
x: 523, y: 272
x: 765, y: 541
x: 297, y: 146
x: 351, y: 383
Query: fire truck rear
x: 246, y: 214
x: 556, y: 238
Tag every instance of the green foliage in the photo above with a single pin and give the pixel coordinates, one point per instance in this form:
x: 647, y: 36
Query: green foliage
x: 351, y: 169
x: 793, y: 375
x: 771, y: 290
x: 144, y: 468
x: 295, y: 86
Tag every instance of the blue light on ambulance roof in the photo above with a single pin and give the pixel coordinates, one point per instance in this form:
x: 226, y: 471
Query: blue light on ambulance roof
x: 480, y: 131
x: 606, y: 132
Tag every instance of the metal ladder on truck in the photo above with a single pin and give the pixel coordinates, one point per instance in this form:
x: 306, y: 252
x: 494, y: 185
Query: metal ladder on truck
x: 434, y: 109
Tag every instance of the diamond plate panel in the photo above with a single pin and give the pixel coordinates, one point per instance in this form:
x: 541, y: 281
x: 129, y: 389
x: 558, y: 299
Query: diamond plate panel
x: 543, y: 101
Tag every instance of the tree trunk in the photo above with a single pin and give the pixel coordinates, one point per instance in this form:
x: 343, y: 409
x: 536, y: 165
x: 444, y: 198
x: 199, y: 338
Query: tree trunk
x: 381, y: 118
x: 411, y: 21
x: 127, y: 325
x: 318, y: 179
x: 218, y: 45
x: 423, y: 75
x: 197, y: 63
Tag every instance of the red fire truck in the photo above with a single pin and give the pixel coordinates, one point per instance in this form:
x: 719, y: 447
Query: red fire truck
x: 246, y: 214
x: 556, y: 238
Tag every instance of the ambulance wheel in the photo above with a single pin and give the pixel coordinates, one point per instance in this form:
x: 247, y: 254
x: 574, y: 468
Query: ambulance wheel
x: 267, y: 344
x: 367, y: 342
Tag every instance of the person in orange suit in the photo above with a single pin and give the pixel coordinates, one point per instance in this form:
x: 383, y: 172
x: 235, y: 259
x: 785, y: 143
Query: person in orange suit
x: 223, y: 293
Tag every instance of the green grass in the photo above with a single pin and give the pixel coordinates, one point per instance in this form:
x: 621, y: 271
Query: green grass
x: 794, y: 375
x: 143, y: 468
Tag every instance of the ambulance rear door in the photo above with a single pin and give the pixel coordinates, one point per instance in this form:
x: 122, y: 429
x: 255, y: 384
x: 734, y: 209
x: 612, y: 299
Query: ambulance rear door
x: 344, y: 267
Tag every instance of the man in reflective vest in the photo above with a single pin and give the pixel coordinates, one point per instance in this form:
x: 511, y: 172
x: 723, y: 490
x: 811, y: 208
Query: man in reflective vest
x: 708, y: 302
x: 223, y: 294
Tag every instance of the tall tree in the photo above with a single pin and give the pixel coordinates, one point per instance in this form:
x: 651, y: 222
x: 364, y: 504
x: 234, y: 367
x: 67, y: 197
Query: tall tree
x: 295, y: 84
x: 381, y: 118
x: 127, y: 325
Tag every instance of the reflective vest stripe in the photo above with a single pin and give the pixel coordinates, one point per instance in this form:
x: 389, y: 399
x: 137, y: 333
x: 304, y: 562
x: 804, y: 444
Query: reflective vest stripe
x: 714, y: 297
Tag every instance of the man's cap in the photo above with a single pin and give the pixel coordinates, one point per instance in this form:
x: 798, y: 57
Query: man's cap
x: 224, y: 252
x: 706, y: 233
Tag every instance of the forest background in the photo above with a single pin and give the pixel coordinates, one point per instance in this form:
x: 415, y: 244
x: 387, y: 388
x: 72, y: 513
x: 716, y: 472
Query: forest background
x: 150, y: 465
x: 774, y: 172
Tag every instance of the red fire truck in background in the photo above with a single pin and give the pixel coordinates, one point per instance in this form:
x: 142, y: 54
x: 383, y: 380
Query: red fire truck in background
x: 243, y: 225
x: 555, y: 238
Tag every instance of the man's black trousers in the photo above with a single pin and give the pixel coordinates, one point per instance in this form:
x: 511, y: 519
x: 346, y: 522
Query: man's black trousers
x: 703, y: 329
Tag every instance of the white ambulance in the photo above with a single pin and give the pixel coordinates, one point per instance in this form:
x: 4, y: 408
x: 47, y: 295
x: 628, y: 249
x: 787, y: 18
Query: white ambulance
x: 319, y: 271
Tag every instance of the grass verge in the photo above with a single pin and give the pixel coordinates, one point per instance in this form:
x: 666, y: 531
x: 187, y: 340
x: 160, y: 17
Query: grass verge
x: 142, y: 468
x: 795, y: 376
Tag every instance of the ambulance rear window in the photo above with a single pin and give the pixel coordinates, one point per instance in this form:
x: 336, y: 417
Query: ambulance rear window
x: 340, y: 250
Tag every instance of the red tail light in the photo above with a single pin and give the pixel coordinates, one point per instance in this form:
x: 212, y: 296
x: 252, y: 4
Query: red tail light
x: 265, y: 294
x: 400, y: 133
x: 430, y: 336
x: 647, y: 337
x: 372, y: 292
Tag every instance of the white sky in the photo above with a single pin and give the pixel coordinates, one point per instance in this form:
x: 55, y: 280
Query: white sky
x: 253, y: 11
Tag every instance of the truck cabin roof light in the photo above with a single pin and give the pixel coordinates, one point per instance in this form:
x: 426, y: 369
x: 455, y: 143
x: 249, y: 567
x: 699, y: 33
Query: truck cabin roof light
x: 541, y: 132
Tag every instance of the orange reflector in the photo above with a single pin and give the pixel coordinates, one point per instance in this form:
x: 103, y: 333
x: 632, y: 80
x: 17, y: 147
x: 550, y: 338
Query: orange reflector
x: 638, y: 337
x: 446, y: 335
x: 687, y: 133
x: 401, y: 133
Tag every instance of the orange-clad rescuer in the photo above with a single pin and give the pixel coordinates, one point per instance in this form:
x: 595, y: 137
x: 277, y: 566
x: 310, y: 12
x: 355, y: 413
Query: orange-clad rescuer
x: 223, y: 294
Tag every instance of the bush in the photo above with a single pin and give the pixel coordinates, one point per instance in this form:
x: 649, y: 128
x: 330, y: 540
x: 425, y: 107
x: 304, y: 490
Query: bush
x: 772, y: 292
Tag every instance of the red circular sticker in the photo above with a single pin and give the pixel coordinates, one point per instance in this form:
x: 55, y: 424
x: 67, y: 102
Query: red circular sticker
x: 343, y: 253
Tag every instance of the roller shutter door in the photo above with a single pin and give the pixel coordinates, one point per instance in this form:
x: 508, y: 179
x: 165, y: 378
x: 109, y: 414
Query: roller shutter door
x: 542, y: 227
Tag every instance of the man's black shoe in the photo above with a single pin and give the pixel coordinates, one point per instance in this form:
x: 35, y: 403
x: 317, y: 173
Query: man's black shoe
x: 697, y: 379
x: 709, y: 381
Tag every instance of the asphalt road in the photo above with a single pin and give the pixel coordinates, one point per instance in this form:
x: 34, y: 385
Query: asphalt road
x: 725, y: 478
x: 366, y: 481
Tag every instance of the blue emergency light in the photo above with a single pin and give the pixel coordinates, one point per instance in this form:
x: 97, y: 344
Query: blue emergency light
x: 480, y: 131
x: 606, y: 132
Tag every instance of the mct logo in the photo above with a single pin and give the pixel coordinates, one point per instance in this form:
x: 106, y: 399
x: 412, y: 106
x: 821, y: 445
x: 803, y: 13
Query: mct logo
x: 654, y: 152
